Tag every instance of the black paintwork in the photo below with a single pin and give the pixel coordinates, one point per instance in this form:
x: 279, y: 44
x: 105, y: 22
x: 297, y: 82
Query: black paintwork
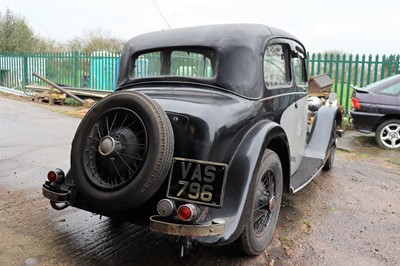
x: 230, y: 118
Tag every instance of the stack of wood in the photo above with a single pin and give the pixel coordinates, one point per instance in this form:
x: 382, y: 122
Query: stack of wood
x: 52, y: 96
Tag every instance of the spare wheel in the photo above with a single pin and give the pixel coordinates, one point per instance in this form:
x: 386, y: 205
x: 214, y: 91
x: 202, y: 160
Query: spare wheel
x: 122, y: 151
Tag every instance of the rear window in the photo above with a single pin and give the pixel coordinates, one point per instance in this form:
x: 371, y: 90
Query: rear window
x: 181, y: 63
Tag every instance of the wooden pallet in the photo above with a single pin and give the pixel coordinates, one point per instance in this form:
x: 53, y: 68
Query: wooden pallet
x: 51, y: 101
x: 53, y: 96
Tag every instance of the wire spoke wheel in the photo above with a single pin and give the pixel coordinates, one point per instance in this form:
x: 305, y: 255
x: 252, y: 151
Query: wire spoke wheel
x: 264, y: 204
x: 122, y: 151
x: 266, y: 201
x: 117, y: 146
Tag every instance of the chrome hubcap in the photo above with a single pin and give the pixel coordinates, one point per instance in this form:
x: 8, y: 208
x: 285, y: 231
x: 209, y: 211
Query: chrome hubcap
x: 390, y: 136
x: 107, y: 146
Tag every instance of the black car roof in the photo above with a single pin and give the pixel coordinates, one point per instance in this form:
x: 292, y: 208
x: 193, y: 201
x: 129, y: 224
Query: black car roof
x: 238, y: 45
x: 210, y: 36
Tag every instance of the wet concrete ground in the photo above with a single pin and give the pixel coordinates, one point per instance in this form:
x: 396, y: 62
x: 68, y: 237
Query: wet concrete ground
x: 348, y: 216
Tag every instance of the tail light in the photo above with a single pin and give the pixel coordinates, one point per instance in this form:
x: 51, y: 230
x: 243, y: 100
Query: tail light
x: 56, y: 176
x: 355, y: 103
x: 188, y: 212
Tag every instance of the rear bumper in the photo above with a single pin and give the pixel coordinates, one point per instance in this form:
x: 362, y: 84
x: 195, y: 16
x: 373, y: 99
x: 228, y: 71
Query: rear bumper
x: 60, y: 196
x: 162, y: 225
x: 364, y: 122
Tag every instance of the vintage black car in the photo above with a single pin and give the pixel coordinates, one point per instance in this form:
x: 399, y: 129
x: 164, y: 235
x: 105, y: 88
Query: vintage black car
x: 208, y: 127
x: 376, y: 108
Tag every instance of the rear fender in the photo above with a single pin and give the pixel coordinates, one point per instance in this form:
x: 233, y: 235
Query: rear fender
x: 241, y: 176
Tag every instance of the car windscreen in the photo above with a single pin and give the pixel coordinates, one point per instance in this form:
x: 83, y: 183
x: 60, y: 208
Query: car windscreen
x: 179, y: 63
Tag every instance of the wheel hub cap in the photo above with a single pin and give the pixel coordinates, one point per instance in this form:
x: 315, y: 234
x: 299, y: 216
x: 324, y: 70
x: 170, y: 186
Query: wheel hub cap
x: 271, y: 205
x: 107, y: 146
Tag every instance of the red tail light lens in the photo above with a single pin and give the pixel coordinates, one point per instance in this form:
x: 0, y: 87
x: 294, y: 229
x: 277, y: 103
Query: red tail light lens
x: 187, y: 212
x: 56, y: 176
x: 355, y: 103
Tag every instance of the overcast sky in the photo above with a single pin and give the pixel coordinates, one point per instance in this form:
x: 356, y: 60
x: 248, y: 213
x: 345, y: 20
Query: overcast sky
x: 352, y: 26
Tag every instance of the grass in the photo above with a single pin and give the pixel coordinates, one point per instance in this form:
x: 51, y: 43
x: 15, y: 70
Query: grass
x: 346, y: 96
x: 72, y: 102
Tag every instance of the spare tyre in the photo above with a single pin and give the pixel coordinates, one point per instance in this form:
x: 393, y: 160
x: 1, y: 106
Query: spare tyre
x: 122, y: 151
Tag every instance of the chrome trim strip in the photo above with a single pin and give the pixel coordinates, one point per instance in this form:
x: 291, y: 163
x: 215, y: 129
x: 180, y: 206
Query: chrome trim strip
x: 282, y: 95
x: 211, y: 229
x: 306, y: 183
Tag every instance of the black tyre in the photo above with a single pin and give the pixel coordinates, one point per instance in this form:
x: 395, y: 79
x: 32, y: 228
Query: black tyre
x: 387, y: 134
x: 331, y: 157
x: 267, y: 201
x: 122, y: 151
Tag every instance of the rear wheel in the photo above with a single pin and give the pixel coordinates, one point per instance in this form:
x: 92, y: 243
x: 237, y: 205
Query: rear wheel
x: 122, y: 151
x: 388, y: 134
x: 331, y: 157
x: 266, y: 204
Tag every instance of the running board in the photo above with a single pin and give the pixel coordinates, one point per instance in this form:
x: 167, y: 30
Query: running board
x: 309, y: 168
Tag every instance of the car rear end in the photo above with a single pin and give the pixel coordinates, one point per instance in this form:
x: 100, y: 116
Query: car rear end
x: 364, y: 115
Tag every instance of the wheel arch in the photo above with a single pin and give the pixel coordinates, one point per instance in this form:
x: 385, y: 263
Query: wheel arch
x: 242, y: 173
x: 385, y: 118
x: 280, y: 146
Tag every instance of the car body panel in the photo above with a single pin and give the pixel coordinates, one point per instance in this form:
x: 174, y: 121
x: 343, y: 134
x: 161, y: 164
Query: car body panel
x: 229, y: 118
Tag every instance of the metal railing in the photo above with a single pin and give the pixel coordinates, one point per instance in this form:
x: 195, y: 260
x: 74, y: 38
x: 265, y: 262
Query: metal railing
x: 98, y: 70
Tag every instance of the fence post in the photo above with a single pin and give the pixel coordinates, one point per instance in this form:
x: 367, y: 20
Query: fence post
x: 376, y: 68
x: 25, y: 77
x: 319, y: 64
x: 369, y: 69
x: 312, y: 64
x: 390, y: 65
x: 336, y: 72
x: 362, y: 70
x: 346, y: 106
x: 342, y: 78
x: 331, y: 65
x: 356, y: 70
x: 75, y: 68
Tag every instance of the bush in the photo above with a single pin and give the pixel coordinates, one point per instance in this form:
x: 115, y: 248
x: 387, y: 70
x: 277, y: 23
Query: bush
x: 72, y: 102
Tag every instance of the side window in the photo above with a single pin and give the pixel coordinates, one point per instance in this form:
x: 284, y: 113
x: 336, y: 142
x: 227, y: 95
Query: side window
x: 391, y: 90
x: 299, y: 63
x: 276, y: 65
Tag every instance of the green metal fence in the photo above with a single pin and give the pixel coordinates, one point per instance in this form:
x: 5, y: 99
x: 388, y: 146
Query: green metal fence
x: 98, y: 70
x: 82, y: 70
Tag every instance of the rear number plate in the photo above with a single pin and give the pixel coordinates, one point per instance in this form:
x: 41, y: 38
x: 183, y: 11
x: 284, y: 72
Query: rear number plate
x: 197, y: 181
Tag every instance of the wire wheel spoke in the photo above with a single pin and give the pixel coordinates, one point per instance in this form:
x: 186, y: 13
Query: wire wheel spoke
x: 264, y: 196
x: 117, y: 146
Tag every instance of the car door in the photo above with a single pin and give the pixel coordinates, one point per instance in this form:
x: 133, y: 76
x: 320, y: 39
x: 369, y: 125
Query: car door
x: 289, y: 99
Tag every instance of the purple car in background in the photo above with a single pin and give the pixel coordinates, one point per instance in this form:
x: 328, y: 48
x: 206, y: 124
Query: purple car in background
x: 376, y: 108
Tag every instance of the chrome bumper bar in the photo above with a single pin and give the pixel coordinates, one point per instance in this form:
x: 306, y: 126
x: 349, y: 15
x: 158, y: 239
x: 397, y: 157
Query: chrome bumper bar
x: 158, y: 224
